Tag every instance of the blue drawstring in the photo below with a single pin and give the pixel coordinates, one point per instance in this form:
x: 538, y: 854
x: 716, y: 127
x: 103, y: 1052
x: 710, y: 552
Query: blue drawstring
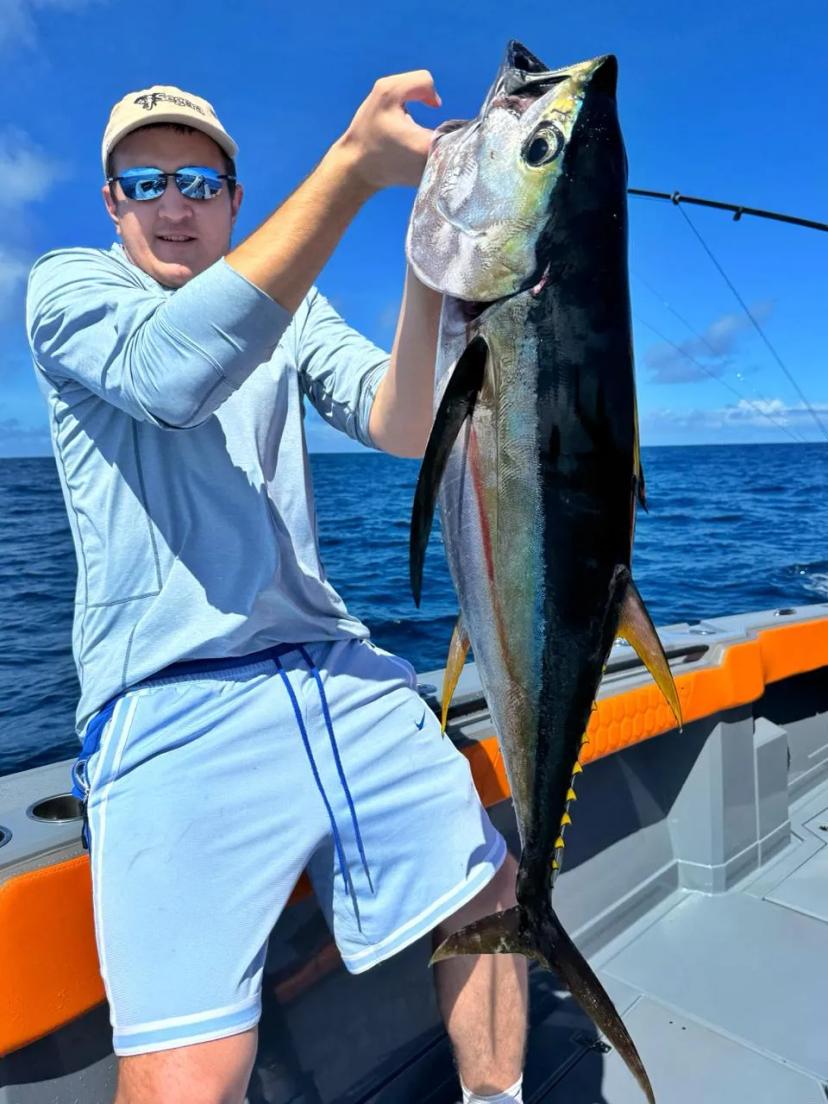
x: 340, y: 851
x: 80, y: 779
x: 314, y: 670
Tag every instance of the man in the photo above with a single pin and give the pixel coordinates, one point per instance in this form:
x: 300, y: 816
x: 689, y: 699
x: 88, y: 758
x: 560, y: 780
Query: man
x: 223, y: 682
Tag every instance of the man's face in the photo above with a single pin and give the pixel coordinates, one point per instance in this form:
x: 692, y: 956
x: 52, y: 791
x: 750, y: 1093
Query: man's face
x: 171, y: 238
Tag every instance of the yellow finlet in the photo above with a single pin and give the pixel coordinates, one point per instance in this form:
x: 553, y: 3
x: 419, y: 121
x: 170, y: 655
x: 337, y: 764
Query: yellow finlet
x: 571, y: 795
x: 559, y: 842
x: 556, y: 865
x: 577, y: 769
x: 566, y: 819
x: 458, y: 649
x: 638, y: 630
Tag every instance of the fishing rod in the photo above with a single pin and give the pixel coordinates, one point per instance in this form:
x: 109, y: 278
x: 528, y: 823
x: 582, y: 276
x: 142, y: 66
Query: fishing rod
x: 738, y: 209
x: 676, y: 198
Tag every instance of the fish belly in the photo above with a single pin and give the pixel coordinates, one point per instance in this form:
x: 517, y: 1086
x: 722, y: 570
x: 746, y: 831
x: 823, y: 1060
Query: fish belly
x: 490, y: 512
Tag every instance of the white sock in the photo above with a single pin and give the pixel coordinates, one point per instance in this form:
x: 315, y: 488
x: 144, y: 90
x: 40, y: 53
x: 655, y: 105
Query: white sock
x: 512, y: 1095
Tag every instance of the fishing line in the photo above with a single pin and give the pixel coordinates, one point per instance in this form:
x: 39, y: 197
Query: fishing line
x: 758, y: 328
x: 734, y: 390
x: 724, y: 383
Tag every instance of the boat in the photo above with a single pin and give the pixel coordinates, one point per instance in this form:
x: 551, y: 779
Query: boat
x: 695, y: 879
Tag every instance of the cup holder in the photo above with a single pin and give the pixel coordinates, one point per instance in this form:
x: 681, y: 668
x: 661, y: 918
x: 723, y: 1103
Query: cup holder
x: 59, y: 809
x: 5, y: 835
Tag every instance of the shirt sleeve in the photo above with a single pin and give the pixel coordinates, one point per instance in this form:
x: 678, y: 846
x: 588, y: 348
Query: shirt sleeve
x: 339, y: 369
x: 170, y: 359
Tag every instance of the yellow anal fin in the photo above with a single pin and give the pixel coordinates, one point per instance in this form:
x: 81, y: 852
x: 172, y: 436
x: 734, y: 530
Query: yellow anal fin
x: 458, y: 650
x: 637, y: 628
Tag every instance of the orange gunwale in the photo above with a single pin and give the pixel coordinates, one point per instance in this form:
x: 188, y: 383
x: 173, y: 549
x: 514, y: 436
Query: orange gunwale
x: 48, y: 958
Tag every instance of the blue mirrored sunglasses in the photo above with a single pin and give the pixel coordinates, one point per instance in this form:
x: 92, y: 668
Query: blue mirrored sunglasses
x: 193, y: 181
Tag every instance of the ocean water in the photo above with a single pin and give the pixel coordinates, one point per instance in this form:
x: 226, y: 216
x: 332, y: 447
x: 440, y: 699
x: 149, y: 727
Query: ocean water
x: 729, y: 529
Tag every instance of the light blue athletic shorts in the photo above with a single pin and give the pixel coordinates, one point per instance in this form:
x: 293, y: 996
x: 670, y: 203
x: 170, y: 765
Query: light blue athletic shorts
x: 208, y: 793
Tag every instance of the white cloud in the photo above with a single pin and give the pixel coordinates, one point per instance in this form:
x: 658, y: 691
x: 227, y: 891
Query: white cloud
x: 709, y: 354
x: 770, y: 419
x: 14, y: 271
x: 18, y: 25
x: 14, y: 268
x: 28, y: 172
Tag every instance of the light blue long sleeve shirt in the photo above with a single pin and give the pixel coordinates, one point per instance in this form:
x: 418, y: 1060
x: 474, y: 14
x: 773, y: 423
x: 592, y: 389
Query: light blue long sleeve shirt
x: 177, y: 426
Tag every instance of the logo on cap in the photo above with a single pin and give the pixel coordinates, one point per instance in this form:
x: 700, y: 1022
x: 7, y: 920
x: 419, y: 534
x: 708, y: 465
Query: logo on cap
x: 149, y: 101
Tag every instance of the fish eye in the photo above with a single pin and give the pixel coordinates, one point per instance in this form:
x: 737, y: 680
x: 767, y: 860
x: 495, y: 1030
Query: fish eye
x: 543, y: 146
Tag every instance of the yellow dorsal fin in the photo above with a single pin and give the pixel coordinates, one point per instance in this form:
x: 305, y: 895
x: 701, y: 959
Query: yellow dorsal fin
x: 458, y: 649
x: 638, y: 630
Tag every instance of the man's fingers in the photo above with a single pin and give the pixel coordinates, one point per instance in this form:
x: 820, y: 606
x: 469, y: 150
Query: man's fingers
x: 390, y: 147
x: 418, y: 85
x: 422, y: 137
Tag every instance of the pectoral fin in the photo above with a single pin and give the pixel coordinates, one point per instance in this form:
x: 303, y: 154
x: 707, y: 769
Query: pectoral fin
x: 458, y: 650
x: 456, y: 405
x: 638, y: 630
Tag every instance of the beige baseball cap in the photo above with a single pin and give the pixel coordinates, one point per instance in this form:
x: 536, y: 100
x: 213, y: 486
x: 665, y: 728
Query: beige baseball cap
x: 163, y: 103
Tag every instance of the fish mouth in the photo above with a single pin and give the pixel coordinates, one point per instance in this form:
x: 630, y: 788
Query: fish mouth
x: 470, y: 310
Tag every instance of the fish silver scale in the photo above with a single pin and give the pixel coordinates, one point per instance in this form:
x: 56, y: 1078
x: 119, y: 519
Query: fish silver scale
x: 501, y: 485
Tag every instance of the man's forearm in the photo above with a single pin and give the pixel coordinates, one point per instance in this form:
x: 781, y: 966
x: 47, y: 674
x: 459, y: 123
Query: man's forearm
x: 401, y: 416
x: 286, y: 253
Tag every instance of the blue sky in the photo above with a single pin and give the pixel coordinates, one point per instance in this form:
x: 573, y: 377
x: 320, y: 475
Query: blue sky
x: 717, y: 99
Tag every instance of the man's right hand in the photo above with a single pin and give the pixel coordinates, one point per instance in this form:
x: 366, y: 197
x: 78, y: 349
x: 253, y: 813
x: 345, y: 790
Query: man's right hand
x: 385, y: 144
x: 382, y: 146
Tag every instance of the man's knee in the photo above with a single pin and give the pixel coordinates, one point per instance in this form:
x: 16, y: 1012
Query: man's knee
x: 216, y: 1072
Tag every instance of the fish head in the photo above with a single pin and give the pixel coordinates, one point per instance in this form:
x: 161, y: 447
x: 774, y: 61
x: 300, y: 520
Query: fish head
x: 488, y: 190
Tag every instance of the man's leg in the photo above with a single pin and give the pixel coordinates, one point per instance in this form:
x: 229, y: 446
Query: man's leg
x: 196, y: 844
x: 483, y: 998
x: 204, y: 1073
x: 434, y: 857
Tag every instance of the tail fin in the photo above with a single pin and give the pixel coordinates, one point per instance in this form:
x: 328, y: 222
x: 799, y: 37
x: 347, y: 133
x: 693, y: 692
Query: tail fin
x: 512, y: 932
